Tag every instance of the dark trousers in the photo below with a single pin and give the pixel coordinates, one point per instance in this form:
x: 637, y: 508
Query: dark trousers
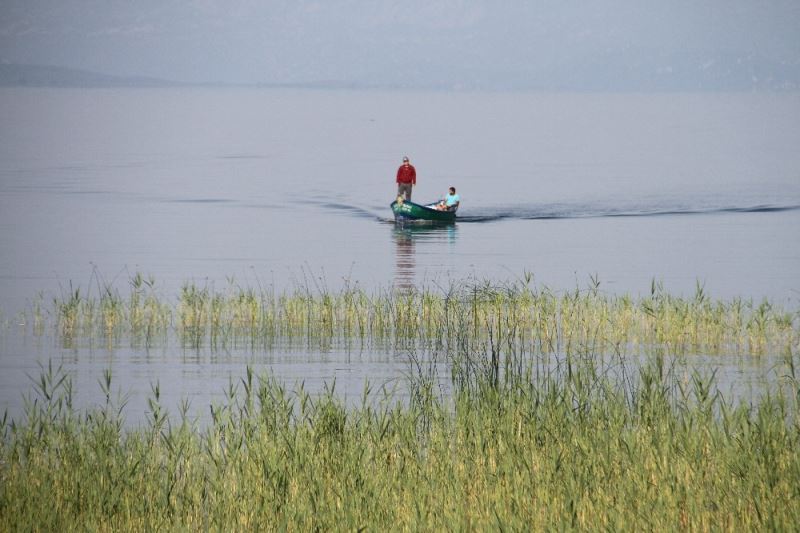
x: 404, y: 190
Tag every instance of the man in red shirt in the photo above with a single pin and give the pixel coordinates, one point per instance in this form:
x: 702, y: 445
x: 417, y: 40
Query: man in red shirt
x: 406, y: 179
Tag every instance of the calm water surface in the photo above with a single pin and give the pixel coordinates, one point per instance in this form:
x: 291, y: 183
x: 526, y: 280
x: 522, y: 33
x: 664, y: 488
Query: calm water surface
x: 280, y: 188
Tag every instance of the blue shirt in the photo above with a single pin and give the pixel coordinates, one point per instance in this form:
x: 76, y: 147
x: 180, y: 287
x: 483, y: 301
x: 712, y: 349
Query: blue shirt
x: 452, y: 199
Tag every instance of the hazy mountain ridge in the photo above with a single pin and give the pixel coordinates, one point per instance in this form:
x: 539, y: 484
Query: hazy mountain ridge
x: 16, y: 75
x: 597, y: 73
x: 550, y: 45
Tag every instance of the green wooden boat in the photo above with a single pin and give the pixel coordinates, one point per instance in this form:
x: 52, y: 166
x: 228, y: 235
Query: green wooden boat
x: 407, y: 211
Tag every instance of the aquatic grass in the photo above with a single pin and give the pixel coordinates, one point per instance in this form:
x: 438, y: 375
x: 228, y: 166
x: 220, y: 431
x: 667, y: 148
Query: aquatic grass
x: 452, y: 317
x: 69, y: 311
x: 146, y: 316
x: 569, y: 448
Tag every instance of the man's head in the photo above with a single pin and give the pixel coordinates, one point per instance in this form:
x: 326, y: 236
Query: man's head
x: 405, y: 160
x: 452, y: 190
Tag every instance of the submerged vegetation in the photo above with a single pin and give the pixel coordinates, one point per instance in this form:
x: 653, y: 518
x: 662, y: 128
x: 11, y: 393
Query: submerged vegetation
x: 523, y: 409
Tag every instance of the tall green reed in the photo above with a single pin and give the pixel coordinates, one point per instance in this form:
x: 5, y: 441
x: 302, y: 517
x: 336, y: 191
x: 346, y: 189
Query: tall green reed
x: 569, y: 448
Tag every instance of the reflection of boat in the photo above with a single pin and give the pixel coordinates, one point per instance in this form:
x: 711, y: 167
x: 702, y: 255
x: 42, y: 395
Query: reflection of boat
x: 408, y: 210
x: 405, y: 258
x: 430, y: 238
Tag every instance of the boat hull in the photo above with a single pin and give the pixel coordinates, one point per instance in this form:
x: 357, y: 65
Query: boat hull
x: 408, y: 211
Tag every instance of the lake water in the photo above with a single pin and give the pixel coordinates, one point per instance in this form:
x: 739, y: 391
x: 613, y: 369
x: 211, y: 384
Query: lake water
x: 288, y: 187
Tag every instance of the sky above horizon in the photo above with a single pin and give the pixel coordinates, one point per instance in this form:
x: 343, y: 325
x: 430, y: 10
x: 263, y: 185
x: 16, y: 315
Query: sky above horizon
x: 555, y: 44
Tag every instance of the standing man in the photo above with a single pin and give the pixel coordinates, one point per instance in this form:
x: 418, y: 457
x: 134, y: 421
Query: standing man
x: 406, y: 179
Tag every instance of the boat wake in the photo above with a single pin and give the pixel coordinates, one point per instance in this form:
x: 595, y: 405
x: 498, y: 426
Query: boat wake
x: 351, y: 209
x: 567, y: 211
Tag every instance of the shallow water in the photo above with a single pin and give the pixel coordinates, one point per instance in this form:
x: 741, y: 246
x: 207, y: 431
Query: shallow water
x: 286, y: 188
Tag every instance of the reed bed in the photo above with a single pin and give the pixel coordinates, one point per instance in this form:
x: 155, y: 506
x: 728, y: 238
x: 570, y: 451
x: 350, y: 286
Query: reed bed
x: 520, y: 410
x: 462, y: 316
x: 565, y: 449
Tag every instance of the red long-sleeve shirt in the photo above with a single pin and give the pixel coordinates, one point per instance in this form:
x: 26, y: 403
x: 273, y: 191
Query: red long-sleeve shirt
x: 407, y: 174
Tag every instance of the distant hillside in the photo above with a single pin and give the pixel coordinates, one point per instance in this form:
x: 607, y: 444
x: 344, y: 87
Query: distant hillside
x: 639, y: 70
x: 17, y: 75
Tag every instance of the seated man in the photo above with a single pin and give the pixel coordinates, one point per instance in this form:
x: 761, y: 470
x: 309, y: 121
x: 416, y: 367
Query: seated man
x: 450, y: 202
